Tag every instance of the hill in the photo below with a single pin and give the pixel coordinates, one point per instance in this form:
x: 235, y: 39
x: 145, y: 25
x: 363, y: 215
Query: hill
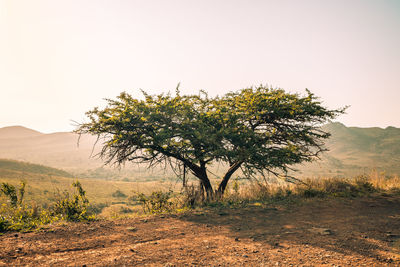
x: 30, y: 168
x: 44, y: 183
x: 59, y: 150
x: 17, y: 132
x: 352, y: 151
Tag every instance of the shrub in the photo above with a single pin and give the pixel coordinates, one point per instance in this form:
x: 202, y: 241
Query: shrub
x: 73, y: 208
x: 11, y: 193
x: 365, y: 186
x: 16, y: 216
x: 4, y: 224
x: 311, y: 193
x: 157, y: 202
x: 192, y: 196
x: 119, y: 194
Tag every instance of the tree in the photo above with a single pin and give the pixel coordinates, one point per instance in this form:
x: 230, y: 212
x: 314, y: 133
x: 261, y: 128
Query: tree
x: 257, y: 130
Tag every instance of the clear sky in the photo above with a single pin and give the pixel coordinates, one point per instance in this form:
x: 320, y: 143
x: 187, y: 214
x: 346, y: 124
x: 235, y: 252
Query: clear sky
x: 58, y: 59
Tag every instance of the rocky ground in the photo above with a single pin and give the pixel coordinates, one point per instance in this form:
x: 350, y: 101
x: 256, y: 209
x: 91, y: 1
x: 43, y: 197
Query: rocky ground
x: 318, y: 232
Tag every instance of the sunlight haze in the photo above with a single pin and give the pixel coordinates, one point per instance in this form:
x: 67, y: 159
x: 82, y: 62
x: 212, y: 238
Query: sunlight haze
x: 59, y: 59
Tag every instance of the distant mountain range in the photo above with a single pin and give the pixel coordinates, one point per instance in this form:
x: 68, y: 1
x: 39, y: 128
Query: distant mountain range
x: 59, y: 150
x: 353, y: 150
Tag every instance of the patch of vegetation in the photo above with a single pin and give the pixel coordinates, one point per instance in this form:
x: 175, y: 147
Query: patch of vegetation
x: 156, y: 202
x: 267, y: 194
x: 75, y: 207
x: 32, y: 168
x: 119, y: 194
x: 15, y: 215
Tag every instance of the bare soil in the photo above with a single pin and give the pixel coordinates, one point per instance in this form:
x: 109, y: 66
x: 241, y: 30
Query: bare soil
x: 318, y: 232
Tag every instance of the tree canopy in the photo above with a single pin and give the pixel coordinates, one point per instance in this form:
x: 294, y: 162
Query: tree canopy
x: 257, y: 130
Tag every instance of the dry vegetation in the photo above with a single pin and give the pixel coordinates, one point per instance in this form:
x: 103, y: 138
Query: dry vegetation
x: 328, y: 222
x: 119, y: 199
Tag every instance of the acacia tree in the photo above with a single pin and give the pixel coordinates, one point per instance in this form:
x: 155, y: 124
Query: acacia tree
x: 257, y: 130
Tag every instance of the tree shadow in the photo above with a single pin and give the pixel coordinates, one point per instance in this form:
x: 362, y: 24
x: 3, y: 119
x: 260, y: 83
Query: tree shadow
x: 363, y: 227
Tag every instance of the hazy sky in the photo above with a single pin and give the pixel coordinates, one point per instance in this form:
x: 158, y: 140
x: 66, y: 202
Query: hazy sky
x: 58, y: 59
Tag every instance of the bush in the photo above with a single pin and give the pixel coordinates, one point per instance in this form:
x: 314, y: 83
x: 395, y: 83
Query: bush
x: 365, y: 186
x: 73, y: 208
x: 4, y: 224
x: 16, y: 216
x: 157, y: 202
x: 11, y: 193
x: 23, y: 218
x: 192, y: 196
x: 119, y: 194
x: 312, y: 192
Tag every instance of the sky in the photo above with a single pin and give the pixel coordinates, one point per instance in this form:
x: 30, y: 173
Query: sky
x: 59, y: 59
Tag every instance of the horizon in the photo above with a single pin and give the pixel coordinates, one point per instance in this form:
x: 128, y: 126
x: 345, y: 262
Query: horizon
x: 332, y: 122
x: 61, y: 59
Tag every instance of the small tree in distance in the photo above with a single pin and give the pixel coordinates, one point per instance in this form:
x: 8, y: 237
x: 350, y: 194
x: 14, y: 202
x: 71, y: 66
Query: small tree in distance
x: 257, y: 130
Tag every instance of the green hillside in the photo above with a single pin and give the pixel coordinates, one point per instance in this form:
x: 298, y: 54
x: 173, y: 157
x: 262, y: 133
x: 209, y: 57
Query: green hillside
x: 45, y: 184
x: 6, y: 164
x: 354, y: 151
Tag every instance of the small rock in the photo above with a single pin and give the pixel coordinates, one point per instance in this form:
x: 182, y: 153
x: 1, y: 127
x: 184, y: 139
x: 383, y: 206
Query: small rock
x: 271, y: 209
x: 390, y: 235
x: 321, y: 231
x: 236, y: 238
x: 131, y: 250
x: 255, y: 251
x: 16, y: 235
x: 288, y: 233
x: 276, y: 244
x: 245, y: 256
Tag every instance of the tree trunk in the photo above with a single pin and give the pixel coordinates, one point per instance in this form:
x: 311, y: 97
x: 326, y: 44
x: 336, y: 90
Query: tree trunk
x: 208, y: 187
x: 227, y: 176
x: 201, y: 173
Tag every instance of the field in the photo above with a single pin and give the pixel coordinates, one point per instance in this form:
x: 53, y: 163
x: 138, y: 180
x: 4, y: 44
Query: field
x: 328, y: 222
x: 317, y: 232
x: 44, y: 185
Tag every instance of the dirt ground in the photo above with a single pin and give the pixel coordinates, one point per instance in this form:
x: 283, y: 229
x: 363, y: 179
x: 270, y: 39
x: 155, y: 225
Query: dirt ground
x: 334, y: 232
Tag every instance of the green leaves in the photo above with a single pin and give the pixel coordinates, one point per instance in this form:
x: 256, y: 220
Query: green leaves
x: 261, y: 128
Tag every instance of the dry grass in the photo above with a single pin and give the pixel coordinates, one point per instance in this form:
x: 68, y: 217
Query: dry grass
x: 362, y: 185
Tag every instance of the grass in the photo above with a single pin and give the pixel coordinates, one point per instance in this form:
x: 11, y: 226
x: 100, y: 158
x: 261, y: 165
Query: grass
x: 15, y: 215
x: 364, y: 185
x: 43, y: 189
x: 13, y: 165
x: 122, y: 199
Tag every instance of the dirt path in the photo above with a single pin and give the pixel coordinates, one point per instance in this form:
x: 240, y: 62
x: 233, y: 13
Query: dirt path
x: 337, y: 232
